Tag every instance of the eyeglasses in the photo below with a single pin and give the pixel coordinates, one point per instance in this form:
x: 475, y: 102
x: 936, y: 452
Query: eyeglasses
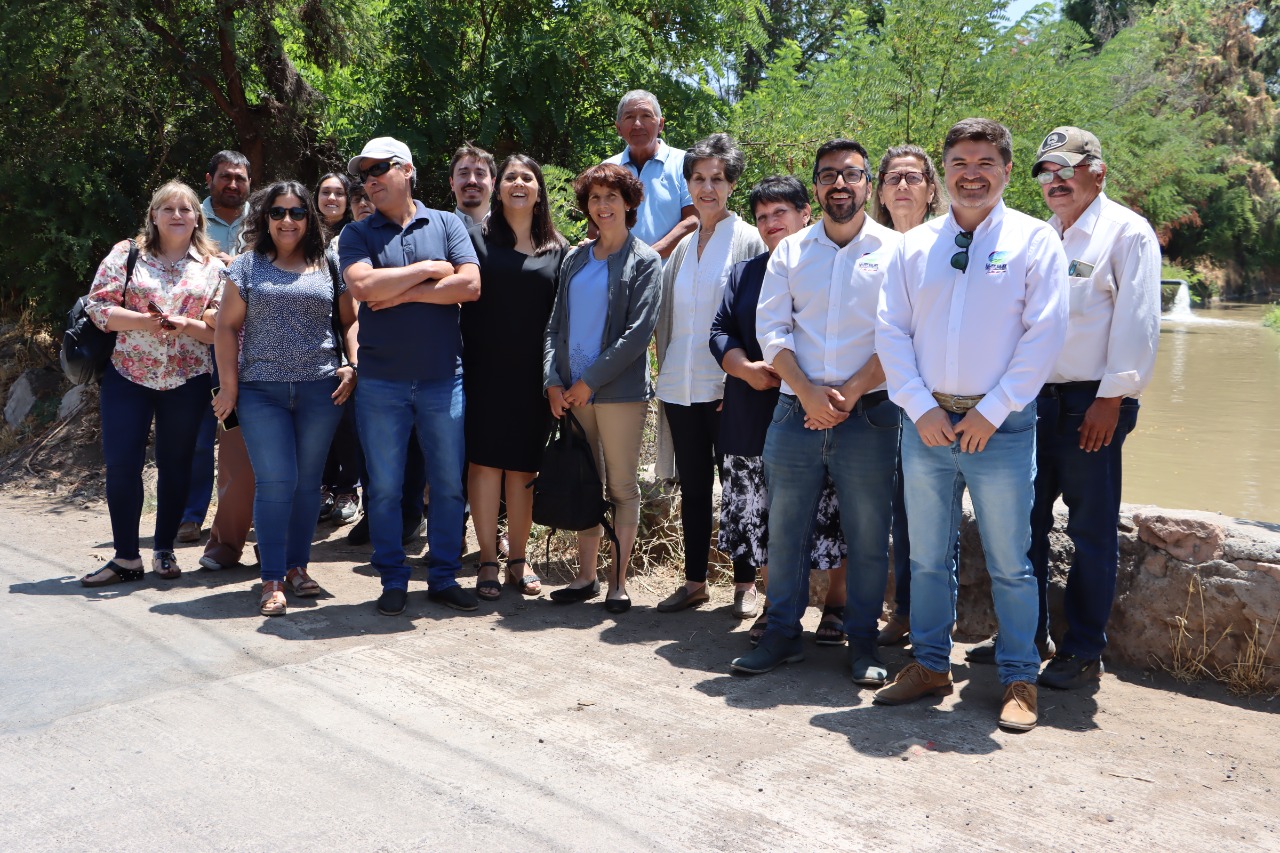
x: 851, y: 175
x: 297, y: 214
x: 377, y: 170
x: 1045, y: 177
x: 913, y: 179
x: 960, y: 260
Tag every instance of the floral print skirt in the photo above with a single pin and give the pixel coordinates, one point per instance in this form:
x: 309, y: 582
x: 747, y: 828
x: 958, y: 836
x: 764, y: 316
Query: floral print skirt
x: 744, y: 516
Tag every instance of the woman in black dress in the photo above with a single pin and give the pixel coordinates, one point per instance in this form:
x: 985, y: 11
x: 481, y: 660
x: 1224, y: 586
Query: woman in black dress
x: 507, y: 419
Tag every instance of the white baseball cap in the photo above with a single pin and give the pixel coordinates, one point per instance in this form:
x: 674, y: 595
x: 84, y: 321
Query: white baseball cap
x: 381, y: 148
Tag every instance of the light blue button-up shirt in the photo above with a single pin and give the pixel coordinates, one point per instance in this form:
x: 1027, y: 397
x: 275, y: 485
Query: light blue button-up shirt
x: 225, y: 234
x: 665, y: 191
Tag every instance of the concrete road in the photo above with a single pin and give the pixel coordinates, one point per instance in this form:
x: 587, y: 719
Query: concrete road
x: 170, y: 716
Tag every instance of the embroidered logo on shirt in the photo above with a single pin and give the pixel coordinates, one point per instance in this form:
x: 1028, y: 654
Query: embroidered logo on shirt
x: 997, y: 263
x: 869, y: 263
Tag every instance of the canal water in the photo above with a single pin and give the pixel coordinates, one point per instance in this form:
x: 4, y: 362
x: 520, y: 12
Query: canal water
x: 1208, y: 434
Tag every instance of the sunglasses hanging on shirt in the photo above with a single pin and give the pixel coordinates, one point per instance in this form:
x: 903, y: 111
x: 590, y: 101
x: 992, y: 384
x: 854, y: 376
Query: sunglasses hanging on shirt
x: 960, y: 260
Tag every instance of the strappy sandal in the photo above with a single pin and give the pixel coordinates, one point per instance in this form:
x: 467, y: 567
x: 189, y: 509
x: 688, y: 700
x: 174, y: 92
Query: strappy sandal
x: 165, y: 565
x: 272, y: 602
x: 114, y: 573
x: 529, y: 584
x: 491, y: 589
x: 830, y: 630
x: 757, y: 630
x: 301, y: 583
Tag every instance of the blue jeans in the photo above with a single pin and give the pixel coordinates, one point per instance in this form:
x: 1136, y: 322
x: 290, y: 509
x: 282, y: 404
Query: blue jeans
x: 127, y: 412
x: 200, y: 491
x: 1090, y: 486
x: 860, y: 454
x: 386, y: 411
x: 287, y: 430
x: 901, y: 550
x: 1000, y: 482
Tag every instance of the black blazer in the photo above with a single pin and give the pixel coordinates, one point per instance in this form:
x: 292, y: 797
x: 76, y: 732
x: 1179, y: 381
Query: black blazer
x: 747, y: 412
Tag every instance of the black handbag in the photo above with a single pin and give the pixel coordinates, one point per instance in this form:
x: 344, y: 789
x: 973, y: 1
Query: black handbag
x: 568, y: 492
x: 86, y: 349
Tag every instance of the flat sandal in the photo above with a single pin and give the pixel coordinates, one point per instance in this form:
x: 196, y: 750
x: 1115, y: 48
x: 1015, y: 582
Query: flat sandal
x: 272, y: 602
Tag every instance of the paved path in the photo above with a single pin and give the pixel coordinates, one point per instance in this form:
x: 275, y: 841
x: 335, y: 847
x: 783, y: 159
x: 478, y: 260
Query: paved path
x: 169, y: 716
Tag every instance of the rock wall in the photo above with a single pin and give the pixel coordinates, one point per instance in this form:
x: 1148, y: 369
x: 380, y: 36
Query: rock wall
x: 1219, y: 574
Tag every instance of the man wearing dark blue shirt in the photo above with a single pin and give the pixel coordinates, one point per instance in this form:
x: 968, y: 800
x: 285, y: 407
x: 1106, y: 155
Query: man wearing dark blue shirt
x: 410, y: 267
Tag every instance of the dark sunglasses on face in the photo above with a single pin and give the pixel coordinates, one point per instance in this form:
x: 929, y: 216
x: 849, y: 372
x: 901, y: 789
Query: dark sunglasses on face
x: 851, y: 175
x: 1046, y: 177
x: 960, y: 260
x: 377, y: 170
x: 913, y: 179
x: 297, y: 214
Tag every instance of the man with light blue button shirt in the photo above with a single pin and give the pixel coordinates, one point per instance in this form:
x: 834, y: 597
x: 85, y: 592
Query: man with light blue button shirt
x: 816, y: 324
x: 972, y: 317
x: 666, y: 214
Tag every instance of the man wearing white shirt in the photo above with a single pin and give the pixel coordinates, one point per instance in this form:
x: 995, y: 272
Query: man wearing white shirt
x: 971, y: 320
x: 816, y: 326
x: 1090, y: 402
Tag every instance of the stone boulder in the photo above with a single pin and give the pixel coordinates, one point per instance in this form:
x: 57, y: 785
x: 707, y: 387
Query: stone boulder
x: 29, y: 389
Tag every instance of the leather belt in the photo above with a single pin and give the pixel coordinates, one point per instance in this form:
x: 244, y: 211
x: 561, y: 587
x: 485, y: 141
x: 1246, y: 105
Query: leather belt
x: 872, y: 399
x: 1057, y: 389
x: 957, y: 405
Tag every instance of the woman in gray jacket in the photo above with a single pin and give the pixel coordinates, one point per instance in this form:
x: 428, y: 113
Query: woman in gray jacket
x: 595, y: 360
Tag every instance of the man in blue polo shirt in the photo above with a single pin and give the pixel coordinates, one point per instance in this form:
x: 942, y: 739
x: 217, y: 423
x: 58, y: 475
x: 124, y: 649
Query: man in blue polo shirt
x: 409, y: 267
x: 666, y: 214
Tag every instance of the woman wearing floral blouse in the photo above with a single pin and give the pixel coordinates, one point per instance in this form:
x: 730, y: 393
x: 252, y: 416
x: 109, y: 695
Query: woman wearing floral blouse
x: 160, y: 370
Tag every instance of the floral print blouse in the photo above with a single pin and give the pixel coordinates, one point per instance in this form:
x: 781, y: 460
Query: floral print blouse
x: 159, y: 361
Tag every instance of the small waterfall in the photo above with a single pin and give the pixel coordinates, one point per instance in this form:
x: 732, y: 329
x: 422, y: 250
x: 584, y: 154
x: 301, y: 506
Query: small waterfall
x: 1181, y: 309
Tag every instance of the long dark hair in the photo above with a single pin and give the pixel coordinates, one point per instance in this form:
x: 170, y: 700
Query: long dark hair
x: 257, y: 233
x: 543, y: 231
x: 346, y: 211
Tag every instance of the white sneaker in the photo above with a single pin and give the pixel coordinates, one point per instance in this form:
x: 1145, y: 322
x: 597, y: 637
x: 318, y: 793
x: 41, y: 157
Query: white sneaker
x: 345, y: 510
x: 207, y: 562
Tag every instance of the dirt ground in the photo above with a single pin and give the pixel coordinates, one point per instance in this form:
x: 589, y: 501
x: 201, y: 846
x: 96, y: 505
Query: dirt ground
x: 169, y: 715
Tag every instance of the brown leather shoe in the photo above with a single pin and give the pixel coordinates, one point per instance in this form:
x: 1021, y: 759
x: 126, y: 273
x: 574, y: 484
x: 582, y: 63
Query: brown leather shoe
x: 897, y: 629
x: 912, y: 683
x: 188, y: 532
x: 1018, y: 713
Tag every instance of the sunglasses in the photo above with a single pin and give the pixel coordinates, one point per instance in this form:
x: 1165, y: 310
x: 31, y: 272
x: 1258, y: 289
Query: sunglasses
x: 960, y: 260
x: 851, y: 175
x: 297, y: 214
x: 913, y: 179
x: 377, y: 170
x: 1045, y: 177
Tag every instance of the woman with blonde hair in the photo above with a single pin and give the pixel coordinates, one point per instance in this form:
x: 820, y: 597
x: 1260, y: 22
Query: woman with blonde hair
x: 159, y: 371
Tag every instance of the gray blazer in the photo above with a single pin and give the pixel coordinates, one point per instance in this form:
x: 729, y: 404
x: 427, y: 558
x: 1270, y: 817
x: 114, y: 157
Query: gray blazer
x: 621, y: 373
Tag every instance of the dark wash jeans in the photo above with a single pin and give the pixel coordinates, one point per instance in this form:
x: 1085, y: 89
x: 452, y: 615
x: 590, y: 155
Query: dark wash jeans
x: 1089, y: 484
x: 127, y: 411
x: 695, y: 436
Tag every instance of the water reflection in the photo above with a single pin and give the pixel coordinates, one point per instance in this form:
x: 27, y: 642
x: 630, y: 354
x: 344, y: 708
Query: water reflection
x: 1209, y: 433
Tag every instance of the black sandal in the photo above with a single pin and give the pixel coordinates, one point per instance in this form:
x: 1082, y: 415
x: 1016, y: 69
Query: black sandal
x: 119, y: 572
x: 756, y: 633
x: 529, y: 584
x: 490, y: 590
x: 830, y: 633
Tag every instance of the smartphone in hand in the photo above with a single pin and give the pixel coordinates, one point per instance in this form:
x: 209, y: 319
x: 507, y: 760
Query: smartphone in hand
x: 231, y: 421
x: 155, y: 311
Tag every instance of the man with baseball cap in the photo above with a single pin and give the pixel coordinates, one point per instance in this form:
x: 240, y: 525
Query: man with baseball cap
x: 409, y: 267
x: 1090, y: 402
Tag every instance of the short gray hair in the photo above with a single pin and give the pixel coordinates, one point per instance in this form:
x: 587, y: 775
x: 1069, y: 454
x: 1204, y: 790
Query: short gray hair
x: 717, y: 146
x: 639, y: 95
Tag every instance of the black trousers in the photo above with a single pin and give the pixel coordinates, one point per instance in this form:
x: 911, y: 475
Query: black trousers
x: 695, y: 436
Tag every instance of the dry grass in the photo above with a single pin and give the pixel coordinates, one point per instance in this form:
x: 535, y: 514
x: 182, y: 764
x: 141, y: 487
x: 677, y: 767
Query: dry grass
x: 1191, y: 653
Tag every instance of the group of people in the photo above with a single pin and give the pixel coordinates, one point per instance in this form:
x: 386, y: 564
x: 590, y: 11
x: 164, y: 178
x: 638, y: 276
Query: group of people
x: 382, y: 343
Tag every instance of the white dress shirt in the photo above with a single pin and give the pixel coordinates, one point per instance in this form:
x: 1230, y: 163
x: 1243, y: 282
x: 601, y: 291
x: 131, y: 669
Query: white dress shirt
x: 996, y: 329
x: 690, y: 373
x: 819, y: 301
x: 1114, y: 327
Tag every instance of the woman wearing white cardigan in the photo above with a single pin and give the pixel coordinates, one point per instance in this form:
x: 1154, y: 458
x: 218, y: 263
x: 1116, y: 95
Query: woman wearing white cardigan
x: 690, y: 382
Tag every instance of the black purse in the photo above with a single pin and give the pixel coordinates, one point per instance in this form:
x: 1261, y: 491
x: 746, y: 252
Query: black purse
x: 86, y: 349
x: 568, y: 492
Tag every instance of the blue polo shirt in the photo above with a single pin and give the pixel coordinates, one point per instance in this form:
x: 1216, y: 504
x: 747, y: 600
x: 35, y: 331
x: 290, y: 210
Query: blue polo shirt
x: 665, y: 191
x: 414, y: 341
